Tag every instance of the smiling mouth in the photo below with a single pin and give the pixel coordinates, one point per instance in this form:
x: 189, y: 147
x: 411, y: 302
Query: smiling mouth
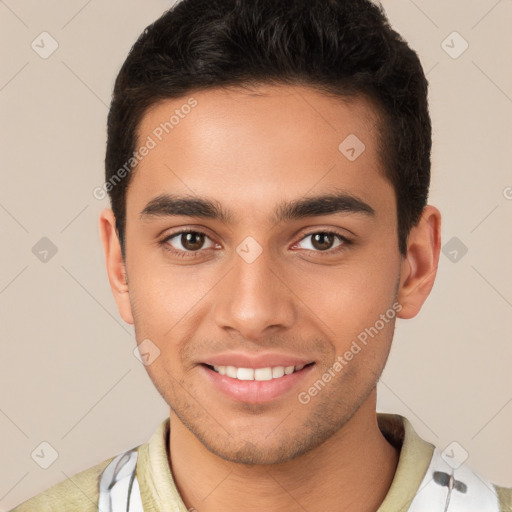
x: 257, y: 374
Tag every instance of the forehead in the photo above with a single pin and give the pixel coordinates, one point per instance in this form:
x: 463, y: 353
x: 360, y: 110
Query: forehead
x: 261, y: 144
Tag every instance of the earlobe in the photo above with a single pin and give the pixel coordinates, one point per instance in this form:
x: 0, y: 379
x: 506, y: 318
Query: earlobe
x: 116, y: 268
x: 419, y: 267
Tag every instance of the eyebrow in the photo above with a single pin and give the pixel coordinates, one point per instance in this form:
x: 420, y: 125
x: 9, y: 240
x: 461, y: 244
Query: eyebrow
x: 167, y: 205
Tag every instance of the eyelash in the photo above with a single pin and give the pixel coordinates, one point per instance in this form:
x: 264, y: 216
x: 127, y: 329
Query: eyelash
x: 193, y: 254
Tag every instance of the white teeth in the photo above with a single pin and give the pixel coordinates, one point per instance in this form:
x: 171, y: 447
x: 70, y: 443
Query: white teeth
x: 259, y: 374
x: 220, y: 369
x: 245, y: 374
x: 231, y: 372
x: 277, y: 372
x: 263, y: 374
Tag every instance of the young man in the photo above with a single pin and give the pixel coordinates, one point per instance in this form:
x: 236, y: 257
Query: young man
x: 268, y: 165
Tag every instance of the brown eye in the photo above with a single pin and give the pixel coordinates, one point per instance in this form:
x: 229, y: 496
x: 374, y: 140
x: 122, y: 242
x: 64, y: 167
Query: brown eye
x: 192, y: 241
x: 188, y: 241
x: 324, y: 241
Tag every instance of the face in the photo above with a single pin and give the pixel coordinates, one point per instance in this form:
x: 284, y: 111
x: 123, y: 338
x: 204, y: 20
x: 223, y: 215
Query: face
x: 232, y: 261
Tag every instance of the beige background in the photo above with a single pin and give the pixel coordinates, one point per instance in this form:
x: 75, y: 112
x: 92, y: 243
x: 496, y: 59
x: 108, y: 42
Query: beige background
x: 68, y: 375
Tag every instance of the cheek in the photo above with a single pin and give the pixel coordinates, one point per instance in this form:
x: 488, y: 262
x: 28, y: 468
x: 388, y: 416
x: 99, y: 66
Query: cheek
x: 168, y: 306
x: 347, y: 302
x: 349, y: 294
x: 163, y: 294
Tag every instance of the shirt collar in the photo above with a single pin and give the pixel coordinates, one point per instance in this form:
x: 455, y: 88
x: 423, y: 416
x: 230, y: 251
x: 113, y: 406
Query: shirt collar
x: 159, y: 490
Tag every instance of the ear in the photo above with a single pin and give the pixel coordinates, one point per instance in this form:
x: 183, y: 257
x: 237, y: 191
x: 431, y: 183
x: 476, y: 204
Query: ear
x: 116, y: 268
x: 419, y: 266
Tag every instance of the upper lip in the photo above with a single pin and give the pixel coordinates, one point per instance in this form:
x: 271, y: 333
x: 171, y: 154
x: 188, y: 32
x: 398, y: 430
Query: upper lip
x: 241, y: 360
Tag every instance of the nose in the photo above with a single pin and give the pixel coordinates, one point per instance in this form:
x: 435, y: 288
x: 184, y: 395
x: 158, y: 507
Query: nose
x: 254, y: 298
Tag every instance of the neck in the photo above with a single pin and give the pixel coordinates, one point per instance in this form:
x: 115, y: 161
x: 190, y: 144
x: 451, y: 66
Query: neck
x: 351, y: 471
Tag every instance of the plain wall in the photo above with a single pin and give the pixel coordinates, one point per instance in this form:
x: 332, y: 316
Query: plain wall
x: 68, y: 375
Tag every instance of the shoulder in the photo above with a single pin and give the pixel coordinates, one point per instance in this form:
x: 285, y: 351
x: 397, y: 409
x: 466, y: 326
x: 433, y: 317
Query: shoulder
x: 78, y: 493
x: 504, y: 497
x: 426, y: 475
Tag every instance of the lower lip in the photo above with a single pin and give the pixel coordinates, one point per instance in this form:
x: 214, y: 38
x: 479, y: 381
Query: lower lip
x: 255, y: 391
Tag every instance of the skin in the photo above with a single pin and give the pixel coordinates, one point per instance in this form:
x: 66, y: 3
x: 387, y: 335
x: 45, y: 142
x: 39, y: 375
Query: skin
x: 251, y: 150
